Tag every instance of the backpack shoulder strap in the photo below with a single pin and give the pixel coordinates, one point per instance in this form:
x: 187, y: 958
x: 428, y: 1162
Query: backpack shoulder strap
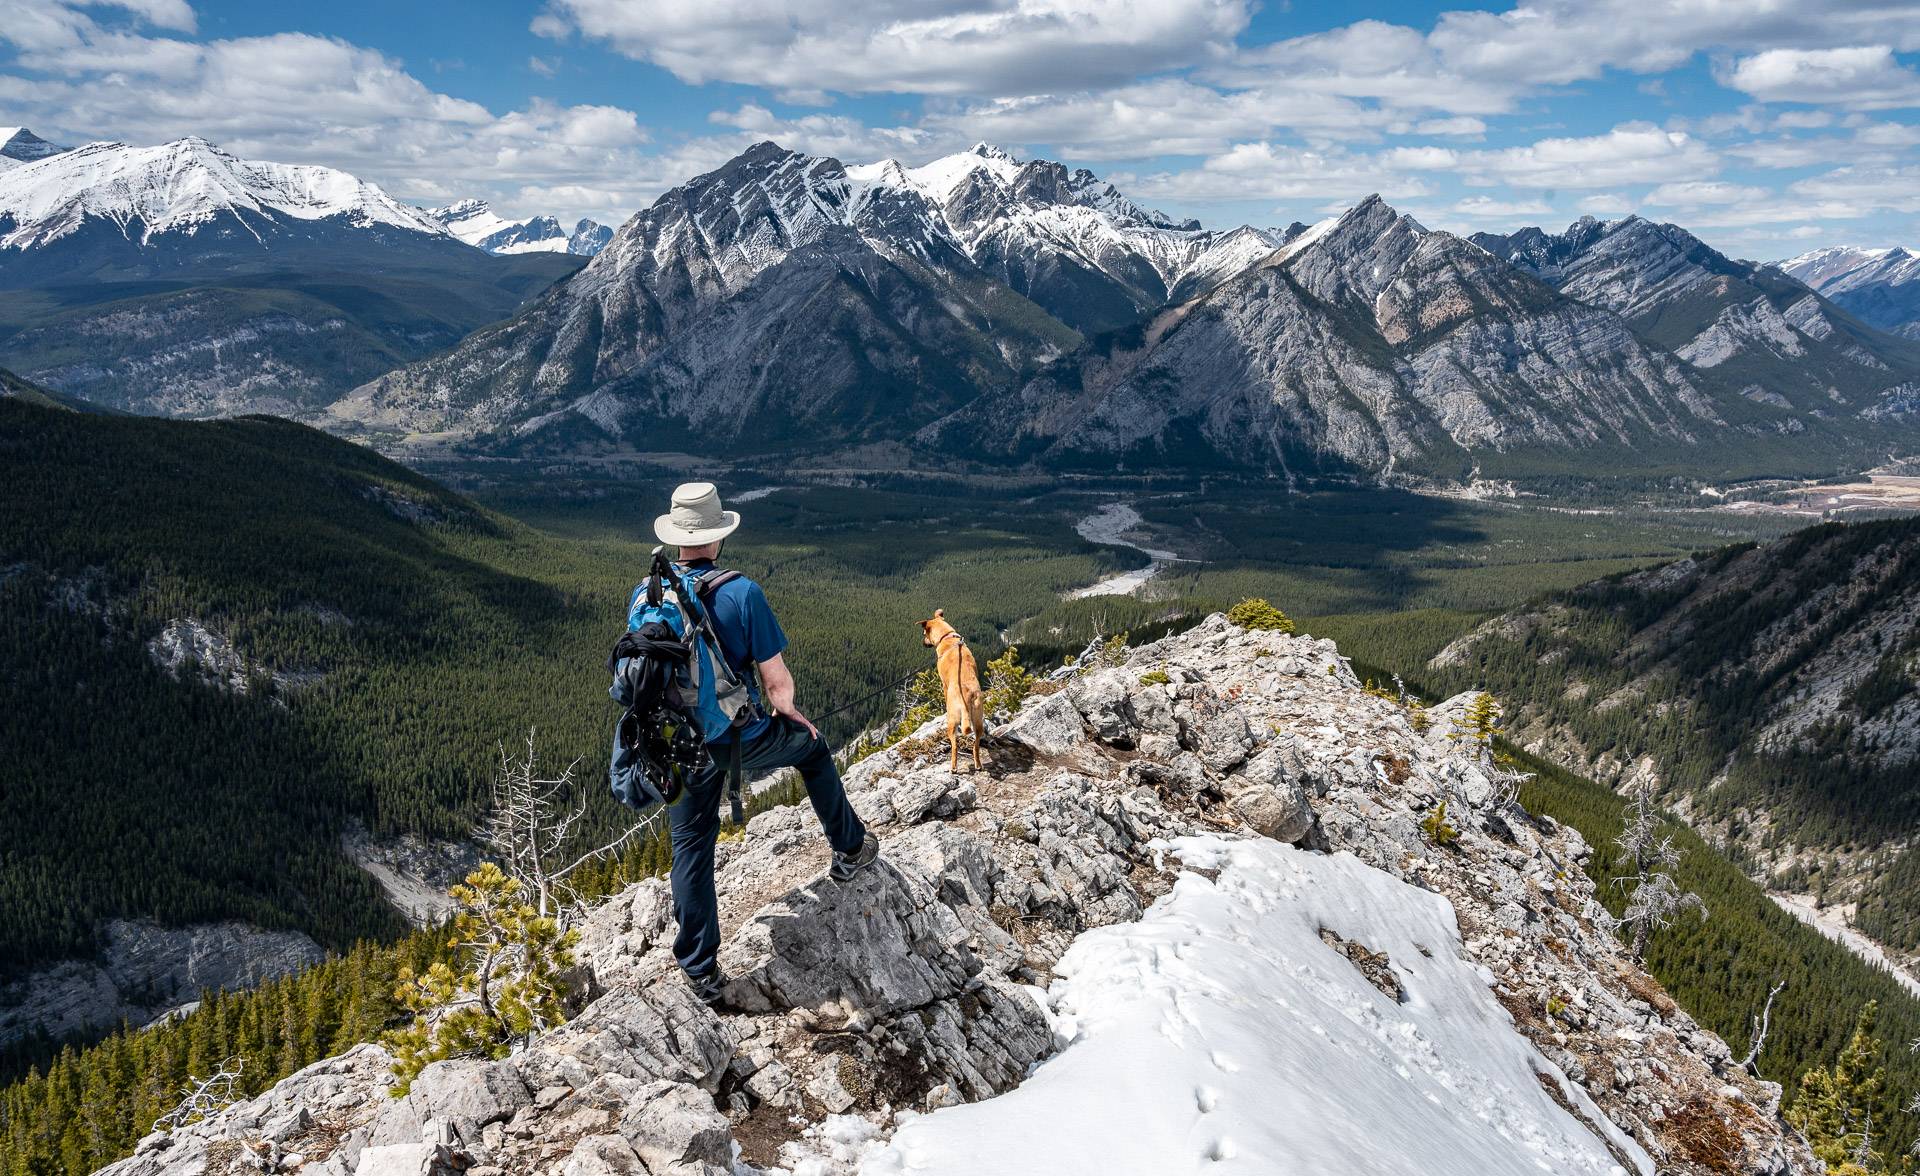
x: 711, y: 582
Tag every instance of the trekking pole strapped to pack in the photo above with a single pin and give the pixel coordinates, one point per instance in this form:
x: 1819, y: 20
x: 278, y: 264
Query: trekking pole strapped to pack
x: 672, y: 675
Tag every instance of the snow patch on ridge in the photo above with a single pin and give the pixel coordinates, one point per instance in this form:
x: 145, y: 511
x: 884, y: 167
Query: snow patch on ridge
x: 1221, y: 1028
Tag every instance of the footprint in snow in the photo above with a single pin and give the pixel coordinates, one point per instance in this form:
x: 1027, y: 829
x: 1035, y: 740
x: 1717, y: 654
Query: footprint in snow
x: 1206, y: 1098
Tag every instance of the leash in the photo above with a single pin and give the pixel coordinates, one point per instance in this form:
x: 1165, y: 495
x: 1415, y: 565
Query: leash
x: 889, y: 688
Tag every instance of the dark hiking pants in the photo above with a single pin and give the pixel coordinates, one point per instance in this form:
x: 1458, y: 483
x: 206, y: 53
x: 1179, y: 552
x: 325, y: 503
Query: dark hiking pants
x: 696, y: 827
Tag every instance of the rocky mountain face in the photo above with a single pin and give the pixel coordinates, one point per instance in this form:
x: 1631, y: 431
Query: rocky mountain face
x: 1771, y: 694
x: 1057, y: 911
x: 145, y: 971
x: 1367, y: 343
x: 773, y: 301
x: 183, y: 280
x: 1770, y: 340
x: 1880, y: 286
x: 1071, y: 242
x: 19, y: 145
x: 475, y: 222
x: 789, y: 299
x: 981, y: 308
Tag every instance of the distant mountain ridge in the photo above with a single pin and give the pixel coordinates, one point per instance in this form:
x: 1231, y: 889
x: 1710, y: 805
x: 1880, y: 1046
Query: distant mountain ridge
x: 784, y: 290
x: 184, y: 280
x: 1882, y: 286
x: 1768, y: 337
x: 184, y: 204
x: 787, y: 301
x: 475, y: 222
x: 19, y: 145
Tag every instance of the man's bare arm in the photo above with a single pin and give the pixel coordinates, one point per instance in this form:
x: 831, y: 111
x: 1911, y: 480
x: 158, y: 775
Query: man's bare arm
x: 777, y: 679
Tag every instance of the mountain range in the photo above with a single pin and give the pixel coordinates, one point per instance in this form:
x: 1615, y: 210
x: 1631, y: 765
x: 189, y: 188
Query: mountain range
x: 475, y: 222
x: 1882, y: 286
x: 985, y: 309
x: 974, y: 309
x: 181, y: 279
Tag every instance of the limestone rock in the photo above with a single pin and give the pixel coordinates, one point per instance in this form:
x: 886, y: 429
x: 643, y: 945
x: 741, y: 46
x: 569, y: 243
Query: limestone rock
x: 676, y: 1131
x: 882, y: 942
x: 1049, y: 727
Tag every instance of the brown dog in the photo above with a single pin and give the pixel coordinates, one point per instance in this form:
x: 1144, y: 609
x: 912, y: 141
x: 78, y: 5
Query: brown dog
x: 960, y: 678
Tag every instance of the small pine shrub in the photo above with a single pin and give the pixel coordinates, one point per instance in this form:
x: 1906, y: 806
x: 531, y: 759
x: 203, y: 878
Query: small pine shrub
x: 1436, y: 828
x: 1556, y: 1004
x: 1113, y: 651
x: 1256, y: 614
x: 1009, y: 682
x: 1155, y: 678
x: 921, y: 700
x: 509, y: 988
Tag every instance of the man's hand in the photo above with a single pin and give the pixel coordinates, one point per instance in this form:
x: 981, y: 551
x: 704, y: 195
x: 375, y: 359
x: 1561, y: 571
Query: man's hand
x: 778, y: 681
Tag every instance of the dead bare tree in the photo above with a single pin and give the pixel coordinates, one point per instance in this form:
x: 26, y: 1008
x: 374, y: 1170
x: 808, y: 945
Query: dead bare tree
x: 534, y: 822
x: 1762, y: 1022
x: 202, y: 1097
x: 1654, y: 899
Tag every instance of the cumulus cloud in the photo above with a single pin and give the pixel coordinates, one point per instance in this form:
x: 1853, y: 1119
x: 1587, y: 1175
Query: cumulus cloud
x: 308, y: 99
x: 1865, y: 77
x: 1486, y: 207
x: 1632, y: 153
x: 1695, y: 193
x: 982, y: 48
x: 1277, y: 171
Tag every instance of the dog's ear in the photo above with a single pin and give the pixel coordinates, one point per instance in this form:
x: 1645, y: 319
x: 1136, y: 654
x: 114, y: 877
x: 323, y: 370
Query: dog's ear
x: 939, y: 614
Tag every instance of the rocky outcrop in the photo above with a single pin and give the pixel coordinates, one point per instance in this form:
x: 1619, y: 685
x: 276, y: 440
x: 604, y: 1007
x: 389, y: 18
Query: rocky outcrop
x: 145, y: 971
x: 919, y: 985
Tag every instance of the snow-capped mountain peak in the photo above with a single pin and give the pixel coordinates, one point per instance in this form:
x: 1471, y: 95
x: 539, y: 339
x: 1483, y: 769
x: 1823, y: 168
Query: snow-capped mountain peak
x: 475, y: 222
x: 180, y: 187
x: 19, y: 145
x: 1881, y: 285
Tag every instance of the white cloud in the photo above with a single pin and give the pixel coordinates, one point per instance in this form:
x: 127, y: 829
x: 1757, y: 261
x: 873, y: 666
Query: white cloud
x: 308, y: 99
x: 1606, y: 204
x: 846, y: 139
x: 1486, y: 207
x: 1866, y: 77
x: 1632, y: 153
x: 1451, y: 126
x: 1893, y: 189
x: 958, y: 47
x: 1167, y: 116
x: 1695, y: 193
x: 1275, y: 171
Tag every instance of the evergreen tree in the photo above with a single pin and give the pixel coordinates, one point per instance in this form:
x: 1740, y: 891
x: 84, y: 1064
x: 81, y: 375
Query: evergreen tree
x: 1837, y: 1103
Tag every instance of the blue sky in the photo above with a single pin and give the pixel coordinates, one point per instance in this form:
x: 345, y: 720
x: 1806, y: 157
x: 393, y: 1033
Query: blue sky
x: 1767, y: 127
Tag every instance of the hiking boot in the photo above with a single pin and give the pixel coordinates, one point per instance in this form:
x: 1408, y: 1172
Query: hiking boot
x: 846, y: 865
x: 711, y: 988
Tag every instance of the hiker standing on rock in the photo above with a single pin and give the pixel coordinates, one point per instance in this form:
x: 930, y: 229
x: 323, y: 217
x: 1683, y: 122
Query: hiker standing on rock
x: 762, y: 739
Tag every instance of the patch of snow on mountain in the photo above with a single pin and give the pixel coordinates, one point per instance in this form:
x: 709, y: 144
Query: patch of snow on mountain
x: 179, y: 186
x: 939, y: 179
x: 1222, y: 1028
x: 472, y: 221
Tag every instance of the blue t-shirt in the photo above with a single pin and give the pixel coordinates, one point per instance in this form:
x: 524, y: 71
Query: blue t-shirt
x: 748, y: 632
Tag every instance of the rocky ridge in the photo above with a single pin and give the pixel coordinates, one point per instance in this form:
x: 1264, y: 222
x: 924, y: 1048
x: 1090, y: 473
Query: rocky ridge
x: 1882, y: 286
x: 145, y: 971
x: 1367, y: 343
x: 916, y: 986
x: 1772, y: 340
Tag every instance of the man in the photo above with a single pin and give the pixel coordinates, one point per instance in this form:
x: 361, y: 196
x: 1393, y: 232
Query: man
x: 749, y: 637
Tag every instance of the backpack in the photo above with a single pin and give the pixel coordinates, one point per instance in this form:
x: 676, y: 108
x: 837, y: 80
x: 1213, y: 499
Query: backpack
x: 680, y: 694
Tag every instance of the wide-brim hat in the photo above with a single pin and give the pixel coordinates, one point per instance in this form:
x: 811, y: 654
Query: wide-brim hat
x: 696, y: 518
